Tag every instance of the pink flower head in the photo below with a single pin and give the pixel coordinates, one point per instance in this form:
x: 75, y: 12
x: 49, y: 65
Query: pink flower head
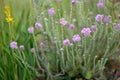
x: 86, y: 31
x: 63, y: 21
x: 51, y: 11
x: 31, y: 30
x: 13, y: 45
x: 99, y: 17
x: 32, y: 50
x: 58, y: 1
x: 66, y: 42
x: 21, y: 47
x: 72, y: 26
x: 119, y: 16
x: 74, y: 1
x: 118, y: 50
x: 117, y: 26
x: 107, y: 19
x: 42, y: 44
x: 38, y: 25
x: 76, y: 38
x: 93, y: 28
x: 100, y: 4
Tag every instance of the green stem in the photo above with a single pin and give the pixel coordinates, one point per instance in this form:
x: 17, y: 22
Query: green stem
x: 68, y: 58
x: 73, y: 61
x: 36, y: 52
x: 10, y: 36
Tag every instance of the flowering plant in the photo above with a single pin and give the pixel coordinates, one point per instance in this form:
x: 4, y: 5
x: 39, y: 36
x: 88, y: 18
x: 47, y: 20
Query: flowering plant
x: 62, y: 40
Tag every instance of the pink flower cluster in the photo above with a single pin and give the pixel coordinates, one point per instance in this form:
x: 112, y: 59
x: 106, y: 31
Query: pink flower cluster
x: 38, y: 25
x: 75, y: 38
x: 100, y: 4
x: 51, y: 11
x: 86, y: 31
x: 63, y: 21
x: 74, y: 1
x: 14, y: 45
x: 117, y: 26
x: 100, y: 18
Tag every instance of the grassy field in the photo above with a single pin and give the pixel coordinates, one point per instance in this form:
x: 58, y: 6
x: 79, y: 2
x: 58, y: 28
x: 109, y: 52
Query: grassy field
x: 59, y: 40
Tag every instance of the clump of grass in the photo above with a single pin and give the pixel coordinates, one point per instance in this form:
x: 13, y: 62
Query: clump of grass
x: 15, y: 64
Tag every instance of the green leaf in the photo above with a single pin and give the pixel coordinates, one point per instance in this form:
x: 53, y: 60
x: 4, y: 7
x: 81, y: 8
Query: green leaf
x: 71, y: 73
x: 88, y: 75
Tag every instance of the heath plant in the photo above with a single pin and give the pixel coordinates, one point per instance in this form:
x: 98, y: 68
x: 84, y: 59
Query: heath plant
x: 60, y: 40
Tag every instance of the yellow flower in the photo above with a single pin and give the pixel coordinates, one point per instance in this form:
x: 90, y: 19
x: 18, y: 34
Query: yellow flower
x: 9, y: 19
x: 8, y: 14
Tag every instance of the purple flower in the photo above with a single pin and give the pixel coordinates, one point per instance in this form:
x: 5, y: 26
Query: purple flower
x: 42, y: 45
x: 74, y: 1
x: 76, y: 38
x: 72, y: 26
x: 32, y: 50
x: 119, y: 16
x: 117, y: 26
x: 118, y: 50
x: 86, y: 31
x: 99, y: 17
x: 21, y: 47
x: 100, y: 5
x: 63, y: 21
x: 113, y: 59
x: 58, y: 1
x: 93, y: 28
x: 66, y: 42
x: 107, y: 19
x: 13, y: 45
x: 31, y: 30
x: 51, y: 11
x: 38, y: 25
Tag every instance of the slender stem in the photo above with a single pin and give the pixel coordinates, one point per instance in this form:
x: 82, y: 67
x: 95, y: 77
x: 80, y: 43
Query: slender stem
x: 94, y: 63
x: 36, y: 52
x: 10, y: 36
x: 63, y: 60
x: 73, y: 58
x: 62, y: 32
x: 70, y: 12
x: 67, y: 54
x: 84, y: 57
